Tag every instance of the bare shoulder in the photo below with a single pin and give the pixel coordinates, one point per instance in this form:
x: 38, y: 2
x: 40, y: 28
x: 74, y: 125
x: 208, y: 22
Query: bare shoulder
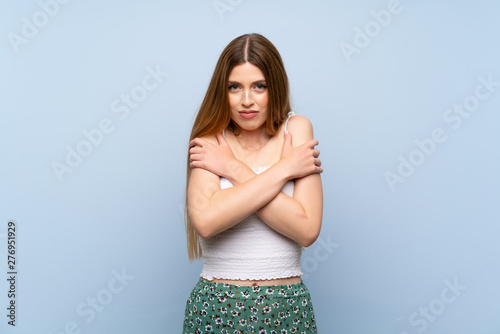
x: 211, y: 139
x: 301, y: 129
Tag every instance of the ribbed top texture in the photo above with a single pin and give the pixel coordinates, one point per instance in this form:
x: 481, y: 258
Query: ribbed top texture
x: 251, y: 250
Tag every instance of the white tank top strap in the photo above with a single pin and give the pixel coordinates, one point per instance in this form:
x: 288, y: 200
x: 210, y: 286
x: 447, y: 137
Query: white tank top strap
x: 290, y: 114
x: 224, y: 133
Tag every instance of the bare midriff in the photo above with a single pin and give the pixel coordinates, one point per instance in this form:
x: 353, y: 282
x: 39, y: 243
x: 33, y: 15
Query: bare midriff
x: 279, y: 281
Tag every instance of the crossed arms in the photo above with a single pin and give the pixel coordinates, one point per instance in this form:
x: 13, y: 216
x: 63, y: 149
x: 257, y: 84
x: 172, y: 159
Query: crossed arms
x: 213, y: 210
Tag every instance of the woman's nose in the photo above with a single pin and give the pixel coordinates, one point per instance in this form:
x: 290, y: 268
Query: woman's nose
x: 247, y: 98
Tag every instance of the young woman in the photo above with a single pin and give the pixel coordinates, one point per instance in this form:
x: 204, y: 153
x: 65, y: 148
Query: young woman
x: 253, y: 199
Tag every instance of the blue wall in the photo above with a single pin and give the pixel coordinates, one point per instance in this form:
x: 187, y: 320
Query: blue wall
x: 97, y: 100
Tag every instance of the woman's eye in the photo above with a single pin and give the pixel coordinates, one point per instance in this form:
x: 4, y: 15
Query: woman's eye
x: 261, y: 86
x: 233, y: 87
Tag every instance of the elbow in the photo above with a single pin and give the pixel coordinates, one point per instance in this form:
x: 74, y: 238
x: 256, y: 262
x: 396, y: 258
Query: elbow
x: 310, y: 235
x: 202, y: 226
x: 204, y: 234
x: 308, y: 241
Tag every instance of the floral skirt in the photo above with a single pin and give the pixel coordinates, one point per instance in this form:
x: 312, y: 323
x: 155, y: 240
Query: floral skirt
x: 237, y: 309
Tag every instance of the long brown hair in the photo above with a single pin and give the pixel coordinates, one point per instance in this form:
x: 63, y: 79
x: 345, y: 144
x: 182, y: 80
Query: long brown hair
x: 214, y: 114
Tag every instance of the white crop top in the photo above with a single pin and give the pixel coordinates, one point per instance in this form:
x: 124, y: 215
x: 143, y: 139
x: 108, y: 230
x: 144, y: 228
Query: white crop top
x: 251, y: 250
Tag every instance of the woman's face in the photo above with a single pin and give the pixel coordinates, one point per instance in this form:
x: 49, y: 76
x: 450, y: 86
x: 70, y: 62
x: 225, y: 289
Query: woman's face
x: 248, y: 96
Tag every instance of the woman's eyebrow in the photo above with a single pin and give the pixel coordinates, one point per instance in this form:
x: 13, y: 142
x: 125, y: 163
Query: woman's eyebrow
x: 230, y: 82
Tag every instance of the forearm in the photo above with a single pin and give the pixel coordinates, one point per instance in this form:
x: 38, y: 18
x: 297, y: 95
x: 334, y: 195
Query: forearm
x: 215, y: 211
x: 288, y: 217
x: 294, y: 222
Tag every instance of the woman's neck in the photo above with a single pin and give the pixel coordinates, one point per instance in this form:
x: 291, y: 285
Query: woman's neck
x: 252, y: 140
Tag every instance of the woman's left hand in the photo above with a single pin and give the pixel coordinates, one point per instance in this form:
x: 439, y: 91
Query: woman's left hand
x: 218, y: 159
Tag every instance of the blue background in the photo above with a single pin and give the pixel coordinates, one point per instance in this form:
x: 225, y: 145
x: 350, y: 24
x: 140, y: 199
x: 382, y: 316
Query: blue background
x: 388, y: 251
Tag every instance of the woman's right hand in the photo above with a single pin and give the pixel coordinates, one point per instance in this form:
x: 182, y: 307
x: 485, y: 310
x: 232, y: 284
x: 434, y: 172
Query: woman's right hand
x: 218, y: 159
x: 301, y: 160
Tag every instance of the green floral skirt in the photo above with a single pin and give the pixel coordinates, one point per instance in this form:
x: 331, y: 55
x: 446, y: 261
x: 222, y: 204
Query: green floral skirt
x: 237, y: 309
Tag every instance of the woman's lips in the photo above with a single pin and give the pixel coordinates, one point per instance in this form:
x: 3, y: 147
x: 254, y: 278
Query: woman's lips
x: 248, y: 113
